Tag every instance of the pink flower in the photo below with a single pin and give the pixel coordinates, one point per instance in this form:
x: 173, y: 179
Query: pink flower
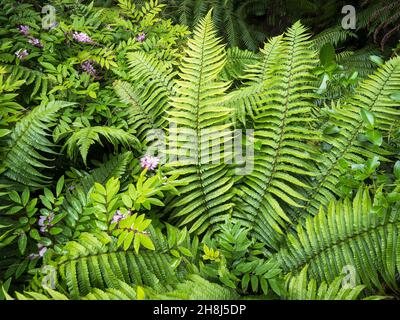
x: 81, y: 37
x: 35, y: 42
x: 22, y: 54
x: 118, y: 216
x: 141, y: 37
x: 24, y: 30
x: 45, y: 222
x: 42, y: 250
x: 149, y: 162
x: 88, y: 67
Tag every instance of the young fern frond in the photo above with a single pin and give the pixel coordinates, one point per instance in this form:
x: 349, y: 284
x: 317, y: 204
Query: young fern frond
x: 373, y: 95
x: 195, y: 118
x: 347, y: 234
x: 283, y: 128
x: 28, y: 147
x: 83, y: 138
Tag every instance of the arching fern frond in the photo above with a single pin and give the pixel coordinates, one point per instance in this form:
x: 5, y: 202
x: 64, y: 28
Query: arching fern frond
x: 195, y: 117
x: 24, y: 155
x: 283, y: 129
x: 151, y: 85
x: 333, y: 35
x: 92, y: 261
x: 348, y: 234
x: 83, y: 138
x: 373, y: 95
x: 244, y: 101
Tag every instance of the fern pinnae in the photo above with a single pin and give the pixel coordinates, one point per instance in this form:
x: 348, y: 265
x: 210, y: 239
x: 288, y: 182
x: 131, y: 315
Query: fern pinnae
x: 22, y: 159
x: 283, y: 128
x: 244, y: 101
x: 372, y: 95
x: 151, y: 84
x: 346, y: 235
x: 83, y: 138
x: 196, y: 116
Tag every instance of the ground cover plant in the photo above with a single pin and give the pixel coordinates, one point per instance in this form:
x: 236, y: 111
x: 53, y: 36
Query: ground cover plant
x: 179, y: 150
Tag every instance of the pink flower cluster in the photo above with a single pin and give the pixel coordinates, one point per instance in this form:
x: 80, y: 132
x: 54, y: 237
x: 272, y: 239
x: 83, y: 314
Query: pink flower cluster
x: 141, y: 37
x: 24, y: 30
x: 36, y: 42
x: 87, y: 66
x: 32, y: 40
x: 82, y: 37
x: 149, y: 162
x: 118, y: 216
x: 42, y: 251
x: 45, y: 222
x: 22, y: 54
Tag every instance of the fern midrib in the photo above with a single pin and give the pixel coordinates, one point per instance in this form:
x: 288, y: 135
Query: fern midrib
x: 264, y: 68
x: 348, y: 239
x: 198, y: 131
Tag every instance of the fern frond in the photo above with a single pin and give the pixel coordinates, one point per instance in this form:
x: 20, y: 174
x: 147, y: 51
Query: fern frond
x: 24, y: 156
x: 36, y: 78
x: 197, y: 288
x: 76, y: 198
x: 333, y: 35
x: 195, y: 117
x: 83, y: 138
x: 283, y: 129
x: 147, y: 95
x: 92, y: 261
x: 347, y: 234
x: 122, y: 292
x: 300, y: 288
x: 372, y: 95
x: 244, y: 101
x: 359, y: 61
x: 237, y: 60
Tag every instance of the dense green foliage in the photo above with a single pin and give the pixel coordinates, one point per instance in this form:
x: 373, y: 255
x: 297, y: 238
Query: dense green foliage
x: 91, y: 205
